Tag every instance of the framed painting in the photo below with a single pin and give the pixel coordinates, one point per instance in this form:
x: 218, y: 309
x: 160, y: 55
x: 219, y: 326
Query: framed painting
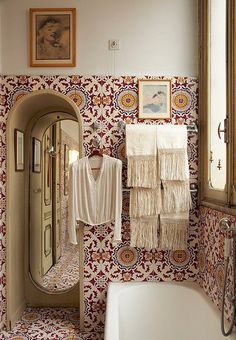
x: 19, y: 150
x: 66, y: 169
x: 66, y: 157
x: 52, y: 37
x: 154, y: 99
x: 66, y: 182
x: 36, y: 155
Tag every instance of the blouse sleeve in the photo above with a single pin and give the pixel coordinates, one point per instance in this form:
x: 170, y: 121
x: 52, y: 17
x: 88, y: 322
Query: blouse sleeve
x: 71, y: 206
x: 118, y: 203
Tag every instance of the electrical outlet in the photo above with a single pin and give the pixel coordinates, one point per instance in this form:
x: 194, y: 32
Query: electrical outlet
x: 114, y: 44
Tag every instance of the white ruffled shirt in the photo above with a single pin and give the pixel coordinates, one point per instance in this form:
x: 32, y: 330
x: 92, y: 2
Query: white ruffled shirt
x: 95, y: 201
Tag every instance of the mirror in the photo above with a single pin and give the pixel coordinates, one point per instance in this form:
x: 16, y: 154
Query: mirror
x: 54, y: 262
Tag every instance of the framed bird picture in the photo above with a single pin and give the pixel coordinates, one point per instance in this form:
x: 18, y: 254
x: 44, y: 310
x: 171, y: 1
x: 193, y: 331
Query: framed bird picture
x: 154, y: 99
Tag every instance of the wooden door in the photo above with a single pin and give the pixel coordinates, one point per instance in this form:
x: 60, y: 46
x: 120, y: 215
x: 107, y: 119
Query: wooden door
x: 57, y: 192
x: 47, y: 227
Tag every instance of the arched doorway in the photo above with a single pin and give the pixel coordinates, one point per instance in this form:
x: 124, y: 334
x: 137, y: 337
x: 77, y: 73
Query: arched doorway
x: 21, y: 288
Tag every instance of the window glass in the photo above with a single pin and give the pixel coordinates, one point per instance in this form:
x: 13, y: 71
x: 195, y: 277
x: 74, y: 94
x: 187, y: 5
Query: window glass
x: 217, y: 80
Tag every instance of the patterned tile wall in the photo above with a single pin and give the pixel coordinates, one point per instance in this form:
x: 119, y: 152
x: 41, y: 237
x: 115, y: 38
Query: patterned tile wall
x: 211, y: 258
x: 108, y: 100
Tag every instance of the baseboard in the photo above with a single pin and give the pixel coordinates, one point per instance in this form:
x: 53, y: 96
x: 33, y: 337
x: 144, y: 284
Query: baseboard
x: 16, y: 316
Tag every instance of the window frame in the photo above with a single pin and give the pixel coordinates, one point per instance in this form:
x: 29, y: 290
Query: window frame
x: 220, y: 200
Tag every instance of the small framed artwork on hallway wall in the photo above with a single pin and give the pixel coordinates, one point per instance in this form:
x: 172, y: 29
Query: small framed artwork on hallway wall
x: 52, y: 37
x: 66, y: 169
x: 154, y: 99
x: 19, y: 150
x: 36, y: 155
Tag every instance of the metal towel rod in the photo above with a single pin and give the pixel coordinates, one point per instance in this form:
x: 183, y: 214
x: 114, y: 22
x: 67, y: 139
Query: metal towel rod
x: 193, y: 188
x: 192, y: 127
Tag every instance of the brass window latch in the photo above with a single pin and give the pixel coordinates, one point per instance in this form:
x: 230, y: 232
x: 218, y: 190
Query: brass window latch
x: 225, y: 130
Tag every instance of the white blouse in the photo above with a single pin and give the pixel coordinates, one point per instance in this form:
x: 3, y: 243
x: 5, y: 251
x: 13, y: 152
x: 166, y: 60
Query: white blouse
x: 95, y: 201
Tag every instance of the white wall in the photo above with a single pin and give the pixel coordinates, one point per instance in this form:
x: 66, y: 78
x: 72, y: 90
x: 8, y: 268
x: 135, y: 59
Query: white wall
x: 71, y: 128
x: 157, y: 37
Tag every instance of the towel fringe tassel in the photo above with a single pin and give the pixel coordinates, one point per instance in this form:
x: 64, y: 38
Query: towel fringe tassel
x: 176, y: 196
x: 142, y: 171
x: 145, y: 233
x: 174, y: 236
x: 173, y: 164
x: 145, y: 202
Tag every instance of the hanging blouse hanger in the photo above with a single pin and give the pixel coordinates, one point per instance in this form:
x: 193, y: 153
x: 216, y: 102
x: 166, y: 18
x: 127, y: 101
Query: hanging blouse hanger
x: 96, y: 153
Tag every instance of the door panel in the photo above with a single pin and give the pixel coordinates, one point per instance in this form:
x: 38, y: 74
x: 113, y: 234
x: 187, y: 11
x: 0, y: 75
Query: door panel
x: 46, y: 229
x: 57, y: 192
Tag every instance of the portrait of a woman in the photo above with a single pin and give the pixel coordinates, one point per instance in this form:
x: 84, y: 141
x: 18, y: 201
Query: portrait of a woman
x: 53, y: 37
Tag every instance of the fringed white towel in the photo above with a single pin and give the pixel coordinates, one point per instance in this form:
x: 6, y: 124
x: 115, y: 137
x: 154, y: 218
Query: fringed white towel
x: 176, y: 196
x: 144, y: 232
x: 174, y: 231
x: 172, y: 152
x: 145, y: 202
x: 141, y: 153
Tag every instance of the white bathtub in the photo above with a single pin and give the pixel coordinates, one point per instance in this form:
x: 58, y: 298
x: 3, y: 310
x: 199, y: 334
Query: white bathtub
x: 161, y: 311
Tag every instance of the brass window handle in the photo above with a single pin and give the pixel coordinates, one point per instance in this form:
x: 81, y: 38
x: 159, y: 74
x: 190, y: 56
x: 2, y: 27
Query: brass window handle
x: 225, y: 130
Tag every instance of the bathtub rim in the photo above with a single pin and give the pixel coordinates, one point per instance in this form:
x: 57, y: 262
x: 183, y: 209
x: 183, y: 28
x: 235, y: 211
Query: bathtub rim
x: 115, y: 289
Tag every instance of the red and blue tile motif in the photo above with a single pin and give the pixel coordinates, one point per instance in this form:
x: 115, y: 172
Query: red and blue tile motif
x: 108, y: 100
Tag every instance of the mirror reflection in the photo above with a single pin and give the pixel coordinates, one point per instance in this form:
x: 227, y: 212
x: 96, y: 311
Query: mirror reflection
x: 54, y: 262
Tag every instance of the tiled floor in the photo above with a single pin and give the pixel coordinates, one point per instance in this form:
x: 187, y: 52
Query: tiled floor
x: 64, y: 274
x: 49, y: 324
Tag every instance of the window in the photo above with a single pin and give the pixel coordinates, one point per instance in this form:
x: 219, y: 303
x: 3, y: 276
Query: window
x: 216, y: 100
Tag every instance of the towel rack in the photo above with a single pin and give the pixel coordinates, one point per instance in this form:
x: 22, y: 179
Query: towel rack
x: 193, y: 188
x: 192, y: 127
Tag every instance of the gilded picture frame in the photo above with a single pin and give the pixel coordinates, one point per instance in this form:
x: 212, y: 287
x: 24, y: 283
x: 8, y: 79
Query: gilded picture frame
x: 52, y: 37
x: 66, y: 157
x: 19, y: 150
x: 66, y: 169
x: 154, y: 99
x: 36, y: 155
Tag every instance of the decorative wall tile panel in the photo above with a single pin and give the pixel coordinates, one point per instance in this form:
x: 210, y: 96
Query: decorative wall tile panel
x: 108, y: 100
x: 211, y: 258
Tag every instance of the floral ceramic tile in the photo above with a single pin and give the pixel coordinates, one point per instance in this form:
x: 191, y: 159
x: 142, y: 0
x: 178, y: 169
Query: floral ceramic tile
x: 107, y: 100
